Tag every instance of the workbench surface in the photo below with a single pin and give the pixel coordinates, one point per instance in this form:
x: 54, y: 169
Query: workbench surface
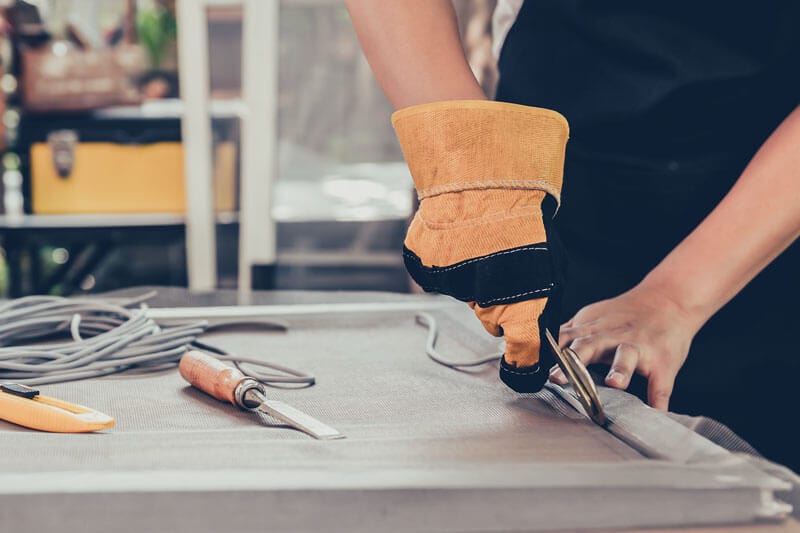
x: 427, y: 447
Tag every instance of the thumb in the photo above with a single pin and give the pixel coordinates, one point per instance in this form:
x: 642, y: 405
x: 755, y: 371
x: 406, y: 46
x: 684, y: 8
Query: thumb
x: 520, y: 324
x: 522, y: 342
x: 521, y: 366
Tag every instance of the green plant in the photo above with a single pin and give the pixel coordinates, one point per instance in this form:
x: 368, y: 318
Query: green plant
x: 157, y: 29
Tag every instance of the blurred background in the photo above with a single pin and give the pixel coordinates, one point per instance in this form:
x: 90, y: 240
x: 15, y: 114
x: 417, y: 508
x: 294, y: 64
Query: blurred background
x: 201, y: 143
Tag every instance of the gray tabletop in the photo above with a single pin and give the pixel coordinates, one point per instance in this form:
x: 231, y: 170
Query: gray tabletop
x: 427, y: 447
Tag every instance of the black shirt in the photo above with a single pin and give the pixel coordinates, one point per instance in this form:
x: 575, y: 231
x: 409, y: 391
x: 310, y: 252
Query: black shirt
x: 656, y: 78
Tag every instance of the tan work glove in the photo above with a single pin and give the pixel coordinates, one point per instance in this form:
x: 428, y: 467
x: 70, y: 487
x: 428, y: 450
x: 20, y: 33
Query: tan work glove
x: 488, y: 176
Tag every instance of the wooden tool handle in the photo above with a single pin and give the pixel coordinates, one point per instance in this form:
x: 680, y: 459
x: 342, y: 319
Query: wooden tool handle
x: 210, y: 375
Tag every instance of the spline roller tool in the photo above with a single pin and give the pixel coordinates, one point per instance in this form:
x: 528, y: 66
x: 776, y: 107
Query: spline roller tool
x: 580, y: 379
x: 228, y: 384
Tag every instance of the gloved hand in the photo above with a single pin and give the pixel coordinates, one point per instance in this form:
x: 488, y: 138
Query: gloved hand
x: 488, y: 176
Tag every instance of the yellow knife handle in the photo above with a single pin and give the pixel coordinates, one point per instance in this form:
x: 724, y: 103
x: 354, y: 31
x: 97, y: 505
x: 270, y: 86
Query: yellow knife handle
x: 49, y: 414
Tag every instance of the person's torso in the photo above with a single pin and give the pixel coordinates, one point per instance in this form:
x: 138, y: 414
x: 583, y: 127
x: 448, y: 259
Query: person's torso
x: 656, y: 78
x: 667, y: 102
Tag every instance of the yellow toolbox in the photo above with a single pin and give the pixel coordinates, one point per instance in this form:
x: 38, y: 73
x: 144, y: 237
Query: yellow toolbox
x: 69, y: 177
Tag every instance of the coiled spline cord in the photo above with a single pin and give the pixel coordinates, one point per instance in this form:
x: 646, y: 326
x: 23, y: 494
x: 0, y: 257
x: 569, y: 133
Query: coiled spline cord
x: 105, y: 337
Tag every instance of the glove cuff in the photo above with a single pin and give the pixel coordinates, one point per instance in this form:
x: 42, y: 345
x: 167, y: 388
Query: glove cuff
x: 479, y: 144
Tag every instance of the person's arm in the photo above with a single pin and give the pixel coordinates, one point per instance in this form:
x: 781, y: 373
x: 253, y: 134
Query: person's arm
x: 415, y: 51
x: 488, y: 175
x: 649, y: 328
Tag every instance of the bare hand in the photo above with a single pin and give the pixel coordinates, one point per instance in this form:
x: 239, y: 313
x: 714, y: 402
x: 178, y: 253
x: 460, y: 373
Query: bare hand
x: 639, y: 331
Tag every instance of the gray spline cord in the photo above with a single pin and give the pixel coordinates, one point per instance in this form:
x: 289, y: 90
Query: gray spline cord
x: 107, y: 337
x: 427, y: 320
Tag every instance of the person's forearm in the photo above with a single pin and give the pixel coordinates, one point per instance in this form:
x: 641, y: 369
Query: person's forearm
x: 414, y: 49
x: 754, y: 223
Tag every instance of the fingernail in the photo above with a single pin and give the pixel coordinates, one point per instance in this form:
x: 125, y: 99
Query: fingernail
x: 616, y: 377
x: 558, y: 377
